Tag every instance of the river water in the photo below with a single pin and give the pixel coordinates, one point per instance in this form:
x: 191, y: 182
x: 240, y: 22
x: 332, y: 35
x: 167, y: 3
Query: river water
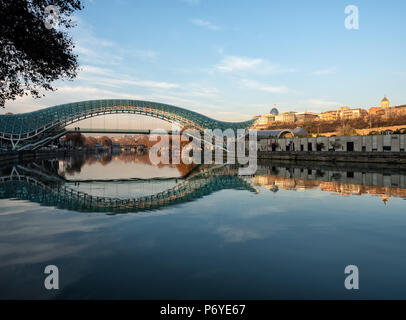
x: 118, y: 227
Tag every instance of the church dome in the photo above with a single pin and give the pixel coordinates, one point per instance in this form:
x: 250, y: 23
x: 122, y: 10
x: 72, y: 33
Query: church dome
x: 385, y: 103
x: 274, y: 111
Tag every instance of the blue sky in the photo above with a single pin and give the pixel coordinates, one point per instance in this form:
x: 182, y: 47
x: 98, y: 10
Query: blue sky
x: 233, y: 59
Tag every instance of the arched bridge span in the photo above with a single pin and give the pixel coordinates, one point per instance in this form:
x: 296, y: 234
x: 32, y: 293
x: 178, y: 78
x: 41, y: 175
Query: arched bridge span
x: 18, y: 128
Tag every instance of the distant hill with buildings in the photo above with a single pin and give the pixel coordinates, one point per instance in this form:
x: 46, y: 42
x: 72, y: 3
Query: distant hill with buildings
x: 328, y: 121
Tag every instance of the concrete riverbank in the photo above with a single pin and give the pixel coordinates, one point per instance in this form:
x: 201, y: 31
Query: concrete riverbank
x: 366, y: 149
x: 336, y: 156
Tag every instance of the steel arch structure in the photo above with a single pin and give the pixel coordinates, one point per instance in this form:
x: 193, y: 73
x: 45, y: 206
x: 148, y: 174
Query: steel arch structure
x: 18, y: 128
x: 284, y: 132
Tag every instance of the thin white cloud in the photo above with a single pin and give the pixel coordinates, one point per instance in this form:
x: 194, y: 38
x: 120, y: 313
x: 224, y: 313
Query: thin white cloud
x: 233, y: 63
x: 83, y: 51
x: 92, y: 75
x: 205, y: 24
x: 197, y: 90
x: 140, y: 83
x: 321, y: 105
x: 95, y: 70
x: 240, y: 64
x: 96, y: 50
x: 325, y: 72
x: 262, y: 87
x: 93, y: 49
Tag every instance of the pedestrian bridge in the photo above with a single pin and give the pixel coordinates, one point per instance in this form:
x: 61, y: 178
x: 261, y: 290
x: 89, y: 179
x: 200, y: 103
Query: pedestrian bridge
x: 20, y: 129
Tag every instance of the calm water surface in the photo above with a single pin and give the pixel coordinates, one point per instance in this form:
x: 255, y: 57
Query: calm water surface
x: 118, y: 227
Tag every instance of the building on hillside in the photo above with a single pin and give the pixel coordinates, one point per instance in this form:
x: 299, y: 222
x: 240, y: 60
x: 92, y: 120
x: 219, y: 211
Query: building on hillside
x: 385, y: 103
x: 377, y: 112
x: 399, y: 110
x: 262, y: 122
x: 274, y: 111
x: 381, y: 111
x: 343, y: 113
x: 288, y: 117
x: 385, y: 110
x: 306, y: 116
x: 331, y: 115
x: 348, y: 113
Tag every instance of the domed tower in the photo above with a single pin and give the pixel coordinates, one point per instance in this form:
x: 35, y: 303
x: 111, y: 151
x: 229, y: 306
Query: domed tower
x: 274, y: 111
x: 385, y: 103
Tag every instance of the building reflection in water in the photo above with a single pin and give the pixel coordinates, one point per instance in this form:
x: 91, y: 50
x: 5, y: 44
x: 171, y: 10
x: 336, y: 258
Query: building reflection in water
x: 344, y: 181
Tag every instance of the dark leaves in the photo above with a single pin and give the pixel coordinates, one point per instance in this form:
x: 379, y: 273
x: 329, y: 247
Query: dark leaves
x: 31, y: 55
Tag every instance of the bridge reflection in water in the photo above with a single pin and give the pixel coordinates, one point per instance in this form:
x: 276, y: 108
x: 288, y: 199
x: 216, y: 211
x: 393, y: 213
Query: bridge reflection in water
x: 31, y: 184
x: 44, y: 183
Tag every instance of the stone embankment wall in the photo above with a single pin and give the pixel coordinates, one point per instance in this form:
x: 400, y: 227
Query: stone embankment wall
x: 377, y: 149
